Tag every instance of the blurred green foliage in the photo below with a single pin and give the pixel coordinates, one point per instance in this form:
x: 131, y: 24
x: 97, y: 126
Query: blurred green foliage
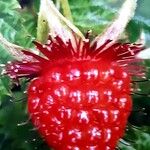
x: 19, y: 26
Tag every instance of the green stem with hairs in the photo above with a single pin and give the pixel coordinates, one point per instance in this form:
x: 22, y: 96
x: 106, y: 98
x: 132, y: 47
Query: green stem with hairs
x: 42, y: 29
x: 57, y: 3
x: 66, y: 9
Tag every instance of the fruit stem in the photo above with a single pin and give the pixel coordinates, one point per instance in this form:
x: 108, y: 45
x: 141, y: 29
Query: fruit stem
x: 66, y: 9
x: 57, y: 3
x: 42, y: 27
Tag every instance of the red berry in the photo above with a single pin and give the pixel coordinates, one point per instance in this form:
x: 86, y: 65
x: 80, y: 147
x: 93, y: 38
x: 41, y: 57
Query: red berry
x: 80, y: 106
x: 79, y: 100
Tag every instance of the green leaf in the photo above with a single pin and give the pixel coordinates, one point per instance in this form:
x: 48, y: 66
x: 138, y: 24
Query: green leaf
x: 91, y: 15
x: 16, y: 25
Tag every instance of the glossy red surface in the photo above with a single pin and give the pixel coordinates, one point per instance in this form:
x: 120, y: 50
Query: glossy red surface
x: 81, y: 105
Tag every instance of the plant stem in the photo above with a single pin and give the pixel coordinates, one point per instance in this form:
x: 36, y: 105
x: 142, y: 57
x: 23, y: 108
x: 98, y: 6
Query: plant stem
x: 42, y: 29
x: 42, y: 26
x: 66, y: 9
x: 58, y: 4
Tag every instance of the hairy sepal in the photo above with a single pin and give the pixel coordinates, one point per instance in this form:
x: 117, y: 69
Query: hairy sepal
x: 58, y: 24
x: 114, y: 31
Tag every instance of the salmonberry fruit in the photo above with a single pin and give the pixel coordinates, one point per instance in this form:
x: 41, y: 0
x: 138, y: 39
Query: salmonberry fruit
x: 79, y: 98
